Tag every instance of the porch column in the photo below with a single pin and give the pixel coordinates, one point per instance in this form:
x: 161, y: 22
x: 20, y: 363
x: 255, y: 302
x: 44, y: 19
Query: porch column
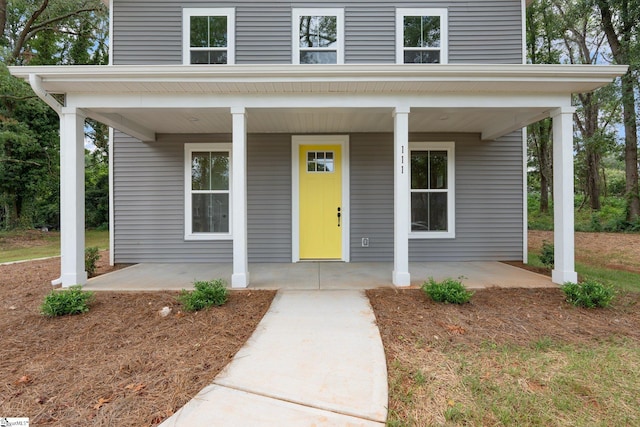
x: 401, y: 202
x: 563, y: 211
x: 240, y: 276
x: 72, y: 198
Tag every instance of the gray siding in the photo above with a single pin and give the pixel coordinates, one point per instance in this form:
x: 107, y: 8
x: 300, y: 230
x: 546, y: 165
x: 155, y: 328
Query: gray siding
x: 269, y: 198
x: 150, y: 31
x: 149, y: 205
x: 488, y: 200
x: 149, y: 200
x: 488, y: 203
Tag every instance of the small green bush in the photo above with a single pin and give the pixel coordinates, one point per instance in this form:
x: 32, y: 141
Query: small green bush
x: 91, y: 257
x: 206, y: 294
x: 449, y: 291
x: 589, y: 294
x: 68, y: 301
x: 546, y: 255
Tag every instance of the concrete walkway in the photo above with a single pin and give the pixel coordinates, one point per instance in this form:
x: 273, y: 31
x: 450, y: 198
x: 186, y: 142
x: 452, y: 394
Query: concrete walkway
x: 315, y: 359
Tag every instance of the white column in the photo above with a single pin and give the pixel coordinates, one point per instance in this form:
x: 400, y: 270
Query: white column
x: 401, y: 200
x: 72, y: 197
x: 240, y: 276
x: 563, y: 211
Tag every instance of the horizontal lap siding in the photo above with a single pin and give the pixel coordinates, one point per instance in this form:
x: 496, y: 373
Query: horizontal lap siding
x: 269, y: 198
x: 149, y: 205
x: 150, y: 31
x: 488, y: 203
x: 488, y: 200
x: 371, y: 196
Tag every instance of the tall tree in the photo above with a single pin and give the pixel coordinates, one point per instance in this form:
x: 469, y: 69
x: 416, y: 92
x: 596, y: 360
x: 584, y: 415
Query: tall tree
x: 25, y: 19
x: 584, y: 43
x: 621, y: 24
x: 543, y: 31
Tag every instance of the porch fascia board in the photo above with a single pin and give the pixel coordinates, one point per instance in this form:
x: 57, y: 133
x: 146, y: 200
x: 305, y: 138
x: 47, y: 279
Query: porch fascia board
x: 352, y: 78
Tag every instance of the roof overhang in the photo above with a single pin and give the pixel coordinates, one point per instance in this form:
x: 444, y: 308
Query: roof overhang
x: 145, y: 101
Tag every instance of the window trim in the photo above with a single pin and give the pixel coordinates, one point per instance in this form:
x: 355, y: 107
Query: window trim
x: 448, y: 146
x: 189, y: 148
x: 444, y: 31
x: 228, y: 12
x: 296, y: 13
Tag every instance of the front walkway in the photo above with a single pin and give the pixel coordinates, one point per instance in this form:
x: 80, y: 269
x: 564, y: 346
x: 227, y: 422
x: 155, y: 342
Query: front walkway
x: 316, y: 275
x: 316, y: 358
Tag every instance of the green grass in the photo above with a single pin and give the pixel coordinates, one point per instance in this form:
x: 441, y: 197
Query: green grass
x: 521, y: 385
x: 621, y: 280
x: 22, y: 245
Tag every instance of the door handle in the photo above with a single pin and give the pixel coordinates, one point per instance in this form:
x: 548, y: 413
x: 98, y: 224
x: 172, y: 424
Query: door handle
x: 339, y: 216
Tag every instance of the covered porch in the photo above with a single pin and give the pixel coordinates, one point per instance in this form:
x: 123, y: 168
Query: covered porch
x: 153, y: 103
x: 317, y: 275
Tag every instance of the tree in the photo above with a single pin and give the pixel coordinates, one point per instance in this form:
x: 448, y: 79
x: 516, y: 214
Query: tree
x: 543, y: 30
x: 621, y: 24
x: 24, y: 20
x: 45, y: 32
x: 585, y: 44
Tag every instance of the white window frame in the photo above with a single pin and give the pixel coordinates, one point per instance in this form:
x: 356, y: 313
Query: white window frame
x: 295, y: 30
x: 449, y: 147
x: 189, y: 148
x: 229, y: 13
x: 444, y: 31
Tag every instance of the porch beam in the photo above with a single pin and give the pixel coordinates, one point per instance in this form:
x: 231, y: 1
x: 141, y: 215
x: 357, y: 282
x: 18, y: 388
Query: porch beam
x: 240, y: 276
x: 401, y: 201
x: 563, y: 210
x: 72, y: 198
x: 117, y: 121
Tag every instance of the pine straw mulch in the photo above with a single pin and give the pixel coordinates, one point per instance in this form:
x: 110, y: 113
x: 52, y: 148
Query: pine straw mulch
x: 501, y: 316
x: 120, y: 363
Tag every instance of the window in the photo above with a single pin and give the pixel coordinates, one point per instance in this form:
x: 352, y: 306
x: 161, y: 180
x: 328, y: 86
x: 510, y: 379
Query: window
x: 432, y: 190
x: 320, y: 161
x: 318, y: 36
x: 421, y: 36
x: 208, y: 36
x: 207, y: 191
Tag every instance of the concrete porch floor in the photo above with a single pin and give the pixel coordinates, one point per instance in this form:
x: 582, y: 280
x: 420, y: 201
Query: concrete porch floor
x: 316, y: 275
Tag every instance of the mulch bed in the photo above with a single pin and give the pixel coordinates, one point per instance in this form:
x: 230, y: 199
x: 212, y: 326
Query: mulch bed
x: 501, y: 316
x: 119, y: 364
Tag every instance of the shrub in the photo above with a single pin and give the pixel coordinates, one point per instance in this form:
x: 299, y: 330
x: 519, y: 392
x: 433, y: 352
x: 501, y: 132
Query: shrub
x: 68, y: 301
x: 206, y: 294
x: 546, y: 255
x: 589, y: 294
x: 449, y: 291
x: 91, y: 257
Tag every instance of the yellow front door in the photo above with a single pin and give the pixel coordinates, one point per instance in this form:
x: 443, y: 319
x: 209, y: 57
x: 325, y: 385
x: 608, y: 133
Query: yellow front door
x: 320, y: 202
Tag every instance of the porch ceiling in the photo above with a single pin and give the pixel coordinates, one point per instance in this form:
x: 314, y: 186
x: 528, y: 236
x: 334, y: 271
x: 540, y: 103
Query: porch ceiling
x: 145, y: 101
x: 325, y: 120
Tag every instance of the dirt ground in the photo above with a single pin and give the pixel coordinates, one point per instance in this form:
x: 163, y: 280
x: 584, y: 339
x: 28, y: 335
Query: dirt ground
x: 120, y: 363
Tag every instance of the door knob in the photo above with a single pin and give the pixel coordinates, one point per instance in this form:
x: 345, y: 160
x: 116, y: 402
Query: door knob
x: 339, y: 216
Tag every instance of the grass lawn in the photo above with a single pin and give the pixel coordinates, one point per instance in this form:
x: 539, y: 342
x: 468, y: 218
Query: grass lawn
x: 31, y: 244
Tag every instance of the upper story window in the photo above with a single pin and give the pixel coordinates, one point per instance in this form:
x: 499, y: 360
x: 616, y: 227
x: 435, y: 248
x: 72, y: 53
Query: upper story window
x: 318, y: 36
x: 208, y: 36
x: 421, y: 36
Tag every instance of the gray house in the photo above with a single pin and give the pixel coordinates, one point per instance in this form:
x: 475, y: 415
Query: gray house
x: 282, y: 131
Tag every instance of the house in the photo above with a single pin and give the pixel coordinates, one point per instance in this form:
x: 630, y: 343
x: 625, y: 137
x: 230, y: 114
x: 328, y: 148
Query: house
x: 283, y: 131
